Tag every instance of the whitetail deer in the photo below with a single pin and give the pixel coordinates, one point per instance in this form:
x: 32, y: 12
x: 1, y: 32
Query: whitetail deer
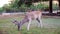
x: 30, y: 15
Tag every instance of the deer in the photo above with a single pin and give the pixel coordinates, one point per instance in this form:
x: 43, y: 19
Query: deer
x: 29, y: 16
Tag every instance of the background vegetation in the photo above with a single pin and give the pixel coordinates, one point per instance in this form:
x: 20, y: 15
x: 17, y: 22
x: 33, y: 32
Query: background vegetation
x: 14, y: 6
x: 23, y: 8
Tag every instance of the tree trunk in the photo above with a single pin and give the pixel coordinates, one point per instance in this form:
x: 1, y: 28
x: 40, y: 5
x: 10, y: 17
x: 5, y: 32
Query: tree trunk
x: 50, y: 6
x: 59, y: 4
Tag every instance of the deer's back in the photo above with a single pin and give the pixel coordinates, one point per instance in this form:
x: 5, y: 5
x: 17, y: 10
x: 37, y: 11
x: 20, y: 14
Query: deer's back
x: 34, y: 14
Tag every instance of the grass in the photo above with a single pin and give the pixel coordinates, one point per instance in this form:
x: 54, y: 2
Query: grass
x: 7, y: 27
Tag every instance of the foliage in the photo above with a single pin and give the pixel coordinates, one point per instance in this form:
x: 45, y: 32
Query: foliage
x: 14, y: 4
x: 1, y: 10
x: 55, y: 7
x: 44, y: 7
x: 45, y: 0
x: 14, y: 7
x: 23, y: 8
x: 11, y: 7
x: 39, y: 6
x: 28, y: 2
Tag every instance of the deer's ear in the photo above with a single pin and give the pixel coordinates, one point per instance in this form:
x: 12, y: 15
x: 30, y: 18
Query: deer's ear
x: 14, y: 21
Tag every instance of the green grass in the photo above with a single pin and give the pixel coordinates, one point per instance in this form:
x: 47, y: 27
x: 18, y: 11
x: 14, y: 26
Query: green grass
x: 7, y: 27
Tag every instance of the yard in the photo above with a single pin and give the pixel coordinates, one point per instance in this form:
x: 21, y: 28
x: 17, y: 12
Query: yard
x: 50, y: 26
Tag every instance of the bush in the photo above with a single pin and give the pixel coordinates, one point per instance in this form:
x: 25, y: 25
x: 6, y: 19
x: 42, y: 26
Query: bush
x: 40, y: 6
x: 1, y: 10
x: 44, y: 7
x: 55, y: 7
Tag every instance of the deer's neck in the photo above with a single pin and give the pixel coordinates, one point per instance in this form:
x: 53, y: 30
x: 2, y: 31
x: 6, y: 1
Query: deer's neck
x: 24, y: 20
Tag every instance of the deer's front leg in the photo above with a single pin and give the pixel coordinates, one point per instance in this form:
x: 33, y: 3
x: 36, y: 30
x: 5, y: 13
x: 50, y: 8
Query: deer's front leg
x: 40, y: 22
x: 29, y: 24
x: 18, y: 27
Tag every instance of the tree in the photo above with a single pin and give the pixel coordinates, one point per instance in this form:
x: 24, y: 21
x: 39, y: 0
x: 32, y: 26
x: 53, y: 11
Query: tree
x: 1, y: 10
x: 59, y: 3
x: 28, y: 2
x: 14, y: 4
x: 11, y: 7
x: 50, y: 6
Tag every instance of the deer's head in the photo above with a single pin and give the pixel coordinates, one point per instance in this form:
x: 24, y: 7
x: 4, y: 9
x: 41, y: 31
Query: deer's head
x: 15, y: 22
x: 18, y: 24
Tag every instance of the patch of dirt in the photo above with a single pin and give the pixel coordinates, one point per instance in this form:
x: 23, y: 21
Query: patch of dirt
x: 50, y: 16
x: 10, y: 16
x: 3, y: 32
